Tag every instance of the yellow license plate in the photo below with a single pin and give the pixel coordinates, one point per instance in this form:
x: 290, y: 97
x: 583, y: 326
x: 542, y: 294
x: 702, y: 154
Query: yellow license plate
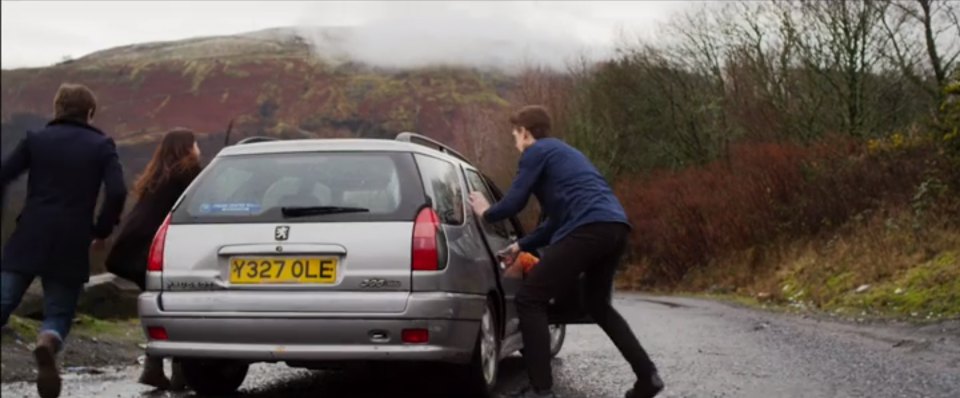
x: 283, y: 270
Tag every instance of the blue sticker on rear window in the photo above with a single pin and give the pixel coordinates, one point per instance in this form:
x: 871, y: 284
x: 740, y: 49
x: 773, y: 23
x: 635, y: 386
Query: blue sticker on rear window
x: 233, y: 208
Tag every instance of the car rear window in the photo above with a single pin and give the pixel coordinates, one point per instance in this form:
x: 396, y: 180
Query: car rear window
x: 443, y: 188
x: 256, y: 188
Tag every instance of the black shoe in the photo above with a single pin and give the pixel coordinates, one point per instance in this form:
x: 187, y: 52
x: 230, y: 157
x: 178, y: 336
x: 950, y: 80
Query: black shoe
x: 530, y: 392
x: 646, y: 388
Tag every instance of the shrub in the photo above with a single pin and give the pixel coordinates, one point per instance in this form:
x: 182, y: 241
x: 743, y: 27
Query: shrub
x: 761, y: 192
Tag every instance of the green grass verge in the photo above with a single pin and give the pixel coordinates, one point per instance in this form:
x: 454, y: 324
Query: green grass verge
x: 928, y: 292
x: 84, y: 326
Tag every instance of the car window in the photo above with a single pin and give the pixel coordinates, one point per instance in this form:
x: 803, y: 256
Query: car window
x: 230, y: 181
x: 503, y: 229
x: 283, y: 187
x: 256, y: 187
x: 442, y: 186
x: 289, y: 187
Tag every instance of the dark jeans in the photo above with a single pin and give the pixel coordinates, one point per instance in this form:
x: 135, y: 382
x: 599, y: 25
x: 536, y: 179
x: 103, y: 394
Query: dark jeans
x: 59, y: 300
x: 593, y: 250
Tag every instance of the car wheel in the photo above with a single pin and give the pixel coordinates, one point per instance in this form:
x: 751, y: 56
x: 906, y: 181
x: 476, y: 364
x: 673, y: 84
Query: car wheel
x: 558, y: 333
x: 482, y: 372
x: 214, y: 376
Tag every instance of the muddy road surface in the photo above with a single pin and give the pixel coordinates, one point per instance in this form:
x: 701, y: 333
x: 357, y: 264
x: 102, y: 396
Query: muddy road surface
x: 703, y: 348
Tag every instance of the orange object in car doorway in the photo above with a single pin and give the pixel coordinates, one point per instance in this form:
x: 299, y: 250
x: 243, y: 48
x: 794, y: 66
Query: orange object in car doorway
x: 527, y: 261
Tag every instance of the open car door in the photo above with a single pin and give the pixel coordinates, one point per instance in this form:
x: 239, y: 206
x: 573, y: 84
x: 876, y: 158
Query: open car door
x: 567, y: 308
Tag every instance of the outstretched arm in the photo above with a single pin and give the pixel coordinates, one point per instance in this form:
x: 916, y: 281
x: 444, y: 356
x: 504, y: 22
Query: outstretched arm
x: 12, y: 167
x: 115, y: 192
x: 15, y: 165
x: 531, y: 167
x: 540, y: 237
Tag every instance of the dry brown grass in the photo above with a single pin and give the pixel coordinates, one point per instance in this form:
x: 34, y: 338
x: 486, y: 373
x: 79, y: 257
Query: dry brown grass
x: 912, y: 270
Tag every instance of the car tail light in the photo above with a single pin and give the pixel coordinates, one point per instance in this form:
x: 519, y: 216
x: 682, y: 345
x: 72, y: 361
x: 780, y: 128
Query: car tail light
x: 155, y: 260
x: 157, y: 333
x: 415, y: 336
x: 426, y: 250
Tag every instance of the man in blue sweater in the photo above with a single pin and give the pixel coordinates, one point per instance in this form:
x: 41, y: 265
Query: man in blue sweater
x: 586, y: 230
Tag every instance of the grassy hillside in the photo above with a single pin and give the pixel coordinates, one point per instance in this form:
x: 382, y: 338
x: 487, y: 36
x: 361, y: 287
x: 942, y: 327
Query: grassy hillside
x: 858, y: 229
x: 269, y: 82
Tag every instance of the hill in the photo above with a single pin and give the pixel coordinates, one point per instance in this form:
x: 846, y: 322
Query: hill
x: 271, y: 82
x: 290, y: 83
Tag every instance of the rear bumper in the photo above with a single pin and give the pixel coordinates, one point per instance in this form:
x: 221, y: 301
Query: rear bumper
x: 451, y: 319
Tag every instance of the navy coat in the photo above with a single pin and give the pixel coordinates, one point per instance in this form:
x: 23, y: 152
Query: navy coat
x: 67, y: 161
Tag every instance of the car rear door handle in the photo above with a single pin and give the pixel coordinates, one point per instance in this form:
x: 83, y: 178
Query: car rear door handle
x: 284, y: 248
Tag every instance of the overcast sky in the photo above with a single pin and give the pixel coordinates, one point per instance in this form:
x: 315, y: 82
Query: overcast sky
x: 41, y: 33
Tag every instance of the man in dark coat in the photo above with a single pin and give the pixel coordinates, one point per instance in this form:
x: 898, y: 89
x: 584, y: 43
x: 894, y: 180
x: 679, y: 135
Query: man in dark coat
x: 67, y: 161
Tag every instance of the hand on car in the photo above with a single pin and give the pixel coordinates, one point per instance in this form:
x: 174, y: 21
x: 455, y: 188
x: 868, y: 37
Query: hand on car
x: 509, y: 254
x: 508, y: 257
x: 479, y: 203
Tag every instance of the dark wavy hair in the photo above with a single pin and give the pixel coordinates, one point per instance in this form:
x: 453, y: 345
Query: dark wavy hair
x: 173, y: 158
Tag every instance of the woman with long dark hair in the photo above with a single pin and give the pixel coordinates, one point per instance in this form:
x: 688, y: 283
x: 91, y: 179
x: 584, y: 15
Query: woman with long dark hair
x: 175, y: 163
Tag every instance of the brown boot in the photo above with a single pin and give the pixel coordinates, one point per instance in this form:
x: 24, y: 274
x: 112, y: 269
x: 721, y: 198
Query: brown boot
x: 152, y: 374
x: 48, y: 376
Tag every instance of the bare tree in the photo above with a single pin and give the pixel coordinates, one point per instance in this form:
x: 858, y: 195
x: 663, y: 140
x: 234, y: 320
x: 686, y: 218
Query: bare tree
x: 923, y: 41
x: 837, y: 40
x: 789, y: 69
x: 761, y: 67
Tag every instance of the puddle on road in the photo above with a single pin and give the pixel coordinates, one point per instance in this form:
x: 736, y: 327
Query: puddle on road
x: 664, y: 303
x: 112, y: 382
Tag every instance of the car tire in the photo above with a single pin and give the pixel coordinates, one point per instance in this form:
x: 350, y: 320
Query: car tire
x: 214, y: 376
x: 558, y: 333
x: 481, y: 374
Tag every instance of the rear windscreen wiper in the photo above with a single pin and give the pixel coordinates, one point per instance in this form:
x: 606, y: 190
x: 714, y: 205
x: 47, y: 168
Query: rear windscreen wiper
x: 306, y: 211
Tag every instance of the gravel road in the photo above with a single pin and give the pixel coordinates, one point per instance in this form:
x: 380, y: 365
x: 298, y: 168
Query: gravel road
x: 703, y: 348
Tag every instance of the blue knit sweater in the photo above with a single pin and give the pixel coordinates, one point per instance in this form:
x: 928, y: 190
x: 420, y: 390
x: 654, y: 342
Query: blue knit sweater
x: 571, y: 191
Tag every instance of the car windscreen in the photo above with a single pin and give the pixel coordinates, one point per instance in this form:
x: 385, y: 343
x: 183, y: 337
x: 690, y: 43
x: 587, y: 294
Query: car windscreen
x: 304, y: 187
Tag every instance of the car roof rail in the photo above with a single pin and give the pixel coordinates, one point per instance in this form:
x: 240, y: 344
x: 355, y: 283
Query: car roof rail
x: 421, y: 139
x: 255, y: 139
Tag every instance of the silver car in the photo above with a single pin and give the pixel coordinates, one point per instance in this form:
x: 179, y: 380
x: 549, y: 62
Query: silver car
x: 320, y: 253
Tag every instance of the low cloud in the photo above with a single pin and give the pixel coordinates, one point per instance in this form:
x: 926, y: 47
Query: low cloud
x: 502, y: 35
